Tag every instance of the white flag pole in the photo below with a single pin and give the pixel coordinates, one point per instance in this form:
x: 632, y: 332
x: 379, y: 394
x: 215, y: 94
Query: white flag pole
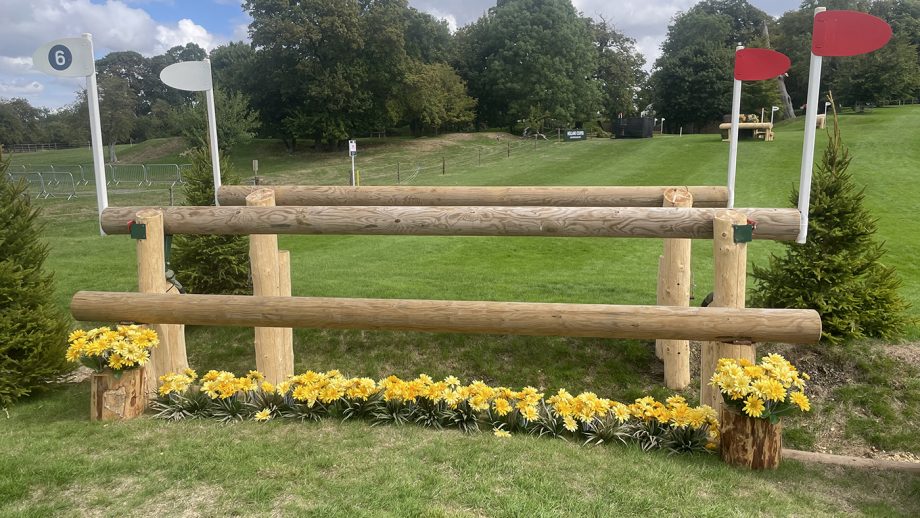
x: 772, y: 111
x: 95, y: 131
x: 212, y: 133
x: 808, y: 146
x: 733, y: 136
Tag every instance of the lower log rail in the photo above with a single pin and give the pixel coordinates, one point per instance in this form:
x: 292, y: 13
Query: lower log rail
x: 543, y: 196
x: 647, y: 222
x: 519, y: 318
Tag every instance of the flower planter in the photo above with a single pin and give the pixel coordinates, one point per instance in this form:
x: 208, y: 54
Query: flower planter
x: 113, y: 399
x: 749, y: 442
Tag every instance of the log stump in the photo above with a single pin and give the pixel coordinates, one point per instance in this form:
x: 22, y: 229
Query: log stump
x: 114, y: 399
x: 748, y: 442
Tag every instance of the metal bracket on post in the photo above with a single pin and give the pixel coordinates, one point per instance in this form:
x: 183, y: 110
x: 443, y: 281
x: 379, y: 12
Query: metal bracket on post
x: 744, y: 233
x: 137, y: 230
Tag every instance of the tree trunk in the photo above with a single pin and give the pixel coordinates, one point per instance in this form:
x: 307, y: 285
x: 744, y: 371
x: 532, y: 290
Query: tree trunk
x: 115, y: 399
x: 788, y: 108
x: 112, y: 157
x: 748, y: 442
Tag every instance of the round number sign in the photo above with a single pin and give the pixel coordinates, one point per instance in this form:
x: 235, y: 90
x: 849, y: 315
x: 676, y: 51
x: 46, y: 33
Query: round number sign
x: 60, y: 57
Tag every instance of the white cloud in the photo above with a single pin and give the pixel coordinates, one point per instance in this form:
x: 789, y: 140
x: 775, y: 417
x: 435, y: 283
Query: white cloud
x: 114, y: 24
x: 186, y: 31
x: 16, y: 89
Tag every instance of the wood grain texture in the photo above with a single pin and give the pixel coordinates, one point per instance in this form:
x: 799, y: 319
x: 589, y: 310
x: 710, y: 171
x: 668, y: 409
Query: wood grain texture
x: 730, y: 270
x: 521, y: 318
x: 543, y: 196
x: 750, y: 443
x: 170, y: 355
x: 674, y: 290
x: 266, y: 282
x: 654, y: 222
x: 119, y: 398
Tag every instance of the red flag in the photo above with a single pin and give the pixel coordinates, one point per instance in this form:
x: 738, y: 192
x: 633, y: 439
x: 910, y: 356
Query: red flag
x: 848, y: 33
x: 759, y: 64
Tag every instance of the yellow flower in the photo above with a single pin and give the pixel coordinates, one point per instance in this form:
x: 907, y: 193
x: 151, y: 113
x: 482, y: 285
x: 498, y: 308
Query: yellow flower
x: 255, y: 375
x: 500, y: 433
x: 620, y: 411
x: 801, y: 400
x: 452, y: 381
x: 530, y: 413
x: 770, y: 389
x: 569, y: 423
x: 267, y: 387
x: 753, y: 406
x: 502, y: 406
x: 263, y: 415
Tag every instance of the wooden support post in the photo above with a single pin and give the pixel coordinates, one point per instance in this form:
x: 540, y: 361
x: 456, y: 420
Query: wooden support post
x: 730, y: 266
x: 151, y: 278
x: 263, y: 256
x: 284, y: 289
x: 674, y: 290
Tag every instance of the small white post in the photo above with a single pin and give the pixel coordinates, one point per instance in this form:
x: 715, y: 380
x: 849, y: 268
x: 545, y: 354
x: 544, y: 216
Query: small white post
x: 808, y: 145
x: 761, y: 114
x: 773, y: 110
x: 352, y: 171
x: 95, y: 131
x: 733, y: 136
x: 212, y: 134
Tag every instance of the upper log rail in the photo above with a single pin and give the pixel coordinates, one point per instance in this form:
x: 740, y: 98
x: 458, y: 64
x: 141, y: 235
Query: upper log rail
x: 450, y: 316
x: 649, y: 222
x: 542, y: 196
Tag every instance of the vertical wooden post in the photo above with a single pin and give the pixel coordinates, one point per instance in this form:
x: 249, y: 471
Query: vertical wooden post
x: 284, y: 289
x: 730, y: 266
x: 151, y: 278
x: 674, y: 290
x: 263, y: 256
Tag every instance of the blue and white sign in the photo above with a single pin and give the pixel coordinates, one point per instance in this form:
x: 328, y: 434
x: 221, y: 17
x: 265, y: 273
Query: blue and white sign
x: 68, y: 57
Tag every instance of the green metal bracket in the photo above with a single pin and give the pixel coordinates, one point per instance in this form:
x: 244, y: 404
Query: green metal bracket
x: 138, y: 230
x: 743, y: 233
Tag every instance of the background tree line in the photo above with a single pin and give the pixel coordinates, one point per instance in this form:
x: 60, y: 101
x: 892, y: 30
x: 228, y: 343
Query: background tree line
x: 323, y: 71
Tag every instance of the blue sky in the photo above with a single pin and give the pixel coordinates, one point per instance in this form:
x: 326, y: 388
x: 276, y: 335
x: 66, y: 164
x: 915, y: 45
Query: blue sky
x: 152, y: 26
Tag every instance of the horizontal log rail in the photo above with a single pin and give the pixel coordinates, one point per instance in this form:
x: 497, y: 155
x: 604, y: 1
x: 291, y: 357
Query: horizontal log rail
x: 542, y: 196
x: 518, y: 318
x: 654, y: 222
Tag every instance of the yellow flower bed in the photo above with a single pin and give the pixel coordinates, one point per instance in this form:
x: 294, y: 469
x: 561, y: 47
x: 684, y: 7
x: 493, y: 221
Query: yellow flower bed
x: 125, y: 347
x: 445, y: 403
x: 767, y: 390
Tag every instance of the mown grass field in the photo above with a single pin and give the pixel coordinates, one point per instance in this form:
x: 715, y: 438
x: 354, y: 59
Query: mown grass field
x: 58, y: 462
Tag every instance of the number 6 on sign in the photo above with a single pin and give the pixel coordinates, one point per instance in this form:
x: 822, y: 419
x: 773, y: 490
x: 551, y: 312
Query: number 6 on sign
x: 68, y: 57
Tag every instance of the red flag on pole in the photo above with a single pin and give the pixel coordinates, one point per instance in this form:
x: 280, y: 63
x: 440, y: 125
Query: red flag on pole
x: 848, y: 33
x: 759, y: 64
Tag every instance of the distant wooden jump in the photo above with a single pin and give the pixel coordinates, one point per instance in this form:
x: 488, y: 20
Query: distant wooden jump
x: 757, y: 130
x: 586, y: 196
x: 646, y: 222
x: 448, y: 316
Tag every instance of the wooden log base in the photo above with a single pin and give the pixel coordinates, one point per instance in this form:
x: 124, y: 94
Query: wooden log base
x: 115, y: 399
x: 748, y: 442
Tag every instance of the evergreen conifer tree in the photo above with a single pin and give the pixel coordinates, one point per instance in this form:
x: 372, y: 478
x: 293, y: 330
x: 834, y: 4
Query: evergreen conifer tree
x: 838, y: 272
x: 33, y: 329
x: 207, y: 263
